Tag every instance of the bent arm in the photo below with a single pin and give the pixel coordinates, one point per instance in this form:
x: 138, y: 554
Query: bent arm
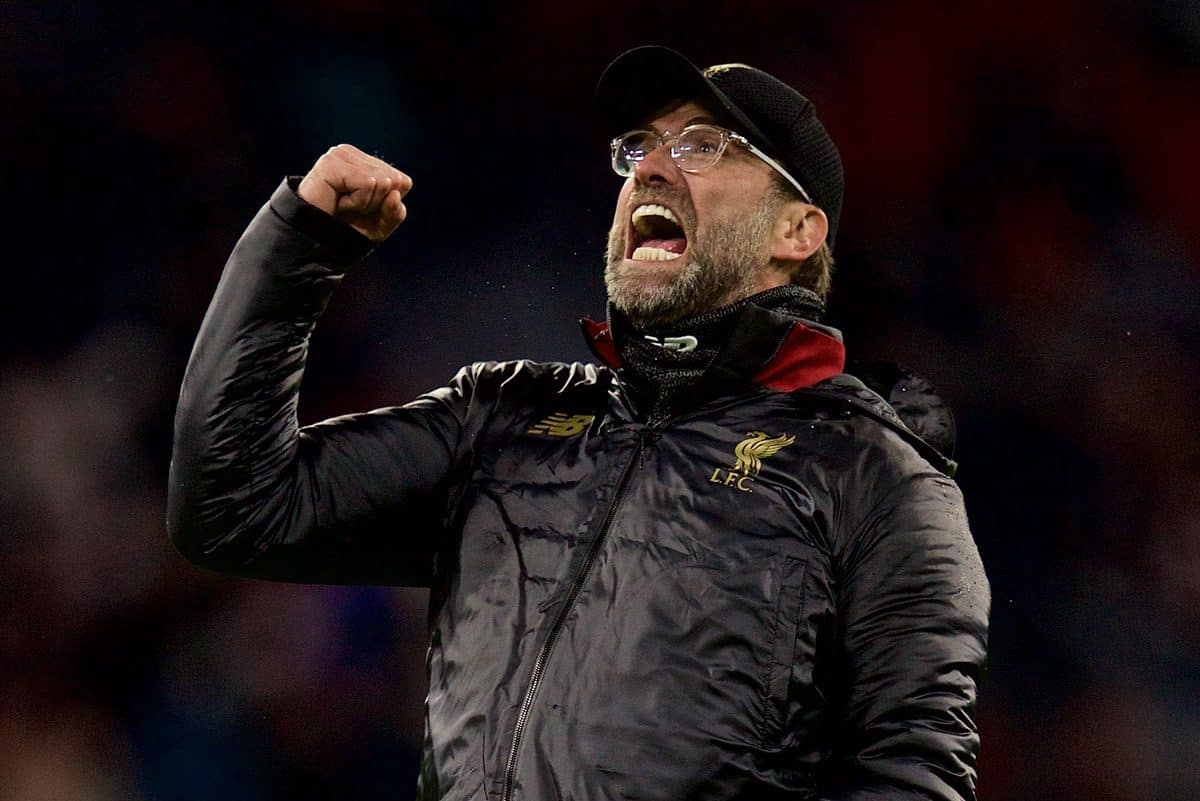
x: 354, y: 499
x: 914, y: 608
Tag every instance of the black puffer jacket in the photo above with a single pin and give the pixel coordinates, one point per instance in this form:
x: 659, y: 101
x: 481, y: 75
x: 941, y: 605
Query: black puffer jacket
x: 771, y: 595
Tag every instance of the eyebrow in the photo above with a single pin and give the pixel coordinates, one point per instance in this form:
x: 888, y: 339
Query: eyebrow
x: 698, y: 118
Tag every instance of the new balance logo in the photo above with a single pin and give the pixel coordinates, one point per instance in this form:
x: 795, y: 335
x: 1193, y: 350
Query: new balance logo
x: 561, y: 424
x: 680, y: 344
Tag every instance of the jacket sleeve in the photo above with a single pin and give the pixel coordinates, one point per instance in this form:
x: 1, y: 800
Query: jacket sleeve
x: 913, y: 611
x: 353, y: 499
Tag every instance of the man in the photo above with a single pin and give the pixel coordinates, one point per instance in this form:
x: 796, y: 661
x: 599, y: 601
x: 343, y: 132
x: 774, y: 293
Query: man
x: 711, y: 567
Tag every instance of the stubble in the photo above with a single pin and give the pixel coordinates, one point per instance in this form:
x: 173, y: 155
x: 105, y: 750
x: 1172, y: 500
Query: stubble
x: 722, y: 264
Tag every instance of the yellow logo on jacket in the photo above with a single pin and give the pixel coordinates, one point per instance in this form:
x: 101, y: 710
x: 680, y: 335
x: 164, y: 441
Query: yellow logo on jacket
x: 748, y: 455
x: 561, y: 424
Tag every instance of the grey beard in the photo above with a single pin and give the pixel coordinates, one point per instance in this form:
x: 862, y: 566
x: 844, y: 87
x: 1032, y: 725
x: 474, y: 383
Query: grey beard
x: 721, y: 268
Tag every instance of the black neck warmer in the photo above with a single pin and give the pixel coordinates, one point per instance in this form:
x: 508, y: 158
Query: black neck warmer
x: 658, y: 373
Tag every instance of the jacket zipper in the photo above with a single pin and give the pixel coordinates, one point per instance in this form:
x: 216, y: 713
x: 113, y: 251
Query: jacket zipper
x: 556, y: 628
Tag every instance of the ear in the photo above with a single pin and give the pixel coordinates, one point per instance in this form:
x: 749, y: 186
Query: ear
x: 799, y: 230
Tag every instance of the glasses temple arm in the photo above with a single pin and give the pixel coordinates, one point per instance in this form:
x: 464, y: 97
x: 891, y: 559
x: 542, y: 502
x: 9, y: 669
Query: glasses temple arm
x: 775, y: 165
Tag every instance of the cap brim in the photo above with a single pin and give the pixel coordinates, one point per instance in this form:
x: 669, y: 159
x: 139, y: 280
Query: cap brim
x: 643, y: 82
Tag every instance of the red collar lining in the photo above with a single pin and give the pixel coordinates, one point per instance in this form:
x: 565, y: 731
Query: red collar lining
x: 806, y: 357
x: 600, y: 340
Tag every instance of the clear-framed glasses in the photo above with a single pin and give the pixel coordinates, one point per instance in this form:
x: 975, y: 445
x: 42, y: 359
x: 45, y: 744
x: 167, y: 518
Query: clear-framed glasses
x: 694, y: 149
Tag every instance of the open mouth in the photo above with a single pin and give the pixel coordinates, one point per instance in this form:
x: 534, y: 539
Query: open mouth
x: 655, y: 234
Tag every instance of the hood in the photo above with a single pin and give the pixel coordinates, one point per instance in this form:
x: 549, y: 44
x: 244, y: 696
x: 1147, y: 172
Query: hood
x: 901, y: 400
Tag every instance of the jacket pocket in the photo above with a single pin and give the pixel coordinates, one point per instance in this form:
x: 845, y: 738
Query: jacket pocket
x: 789, y: 608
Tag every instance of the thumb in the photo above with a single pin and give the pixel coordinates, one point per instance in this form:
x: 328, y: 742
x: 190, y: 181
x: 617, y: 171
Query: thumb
x: 361, y: 197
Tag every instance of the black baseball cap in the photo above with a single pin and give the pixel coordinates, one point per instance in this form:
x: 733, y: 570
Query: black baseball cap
x: 775, y: 117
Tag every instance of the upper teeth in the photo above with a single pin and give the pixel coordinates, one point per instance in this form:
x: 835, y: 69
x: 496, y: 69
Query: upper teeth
x: 656, y: 210
x: 652, y: 254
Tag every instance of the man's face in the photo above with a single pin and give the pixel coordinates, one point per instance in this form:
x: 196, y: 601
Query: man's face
x: 716, y: 249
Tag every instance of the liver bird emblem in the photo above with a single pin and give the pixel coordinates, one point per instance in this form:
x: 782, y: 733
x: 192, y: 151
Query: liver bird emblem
x: 753, y: 449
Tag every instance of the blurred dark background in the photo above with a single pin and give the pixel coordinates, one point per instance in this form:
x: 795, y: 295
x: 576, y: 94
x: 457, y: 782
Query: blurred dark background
x: 1021, y: 224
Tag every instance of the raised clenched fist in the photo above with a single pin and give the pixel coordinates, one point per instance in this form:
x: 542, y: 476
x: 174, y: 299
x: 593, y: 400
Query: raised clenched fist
x: 362, y: 191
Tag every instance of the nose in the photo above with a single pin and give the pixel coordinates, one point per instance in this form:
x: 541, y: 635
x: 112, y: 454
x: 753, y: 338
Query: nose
x: 658, y: 168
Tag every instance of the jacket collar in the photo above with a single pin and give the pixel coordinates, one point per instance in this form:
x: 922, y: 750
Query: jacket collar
x: 766, y: 348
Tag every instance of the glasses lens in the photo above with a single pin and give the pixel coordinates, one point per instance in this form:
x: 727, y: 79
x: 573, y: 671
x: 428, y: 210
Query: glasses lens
x: 698, y: 147
x: 632, y: 148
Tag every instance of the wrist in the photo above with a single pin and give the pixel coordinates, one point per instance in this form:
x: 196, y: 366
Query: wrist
x: 342, y: 243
